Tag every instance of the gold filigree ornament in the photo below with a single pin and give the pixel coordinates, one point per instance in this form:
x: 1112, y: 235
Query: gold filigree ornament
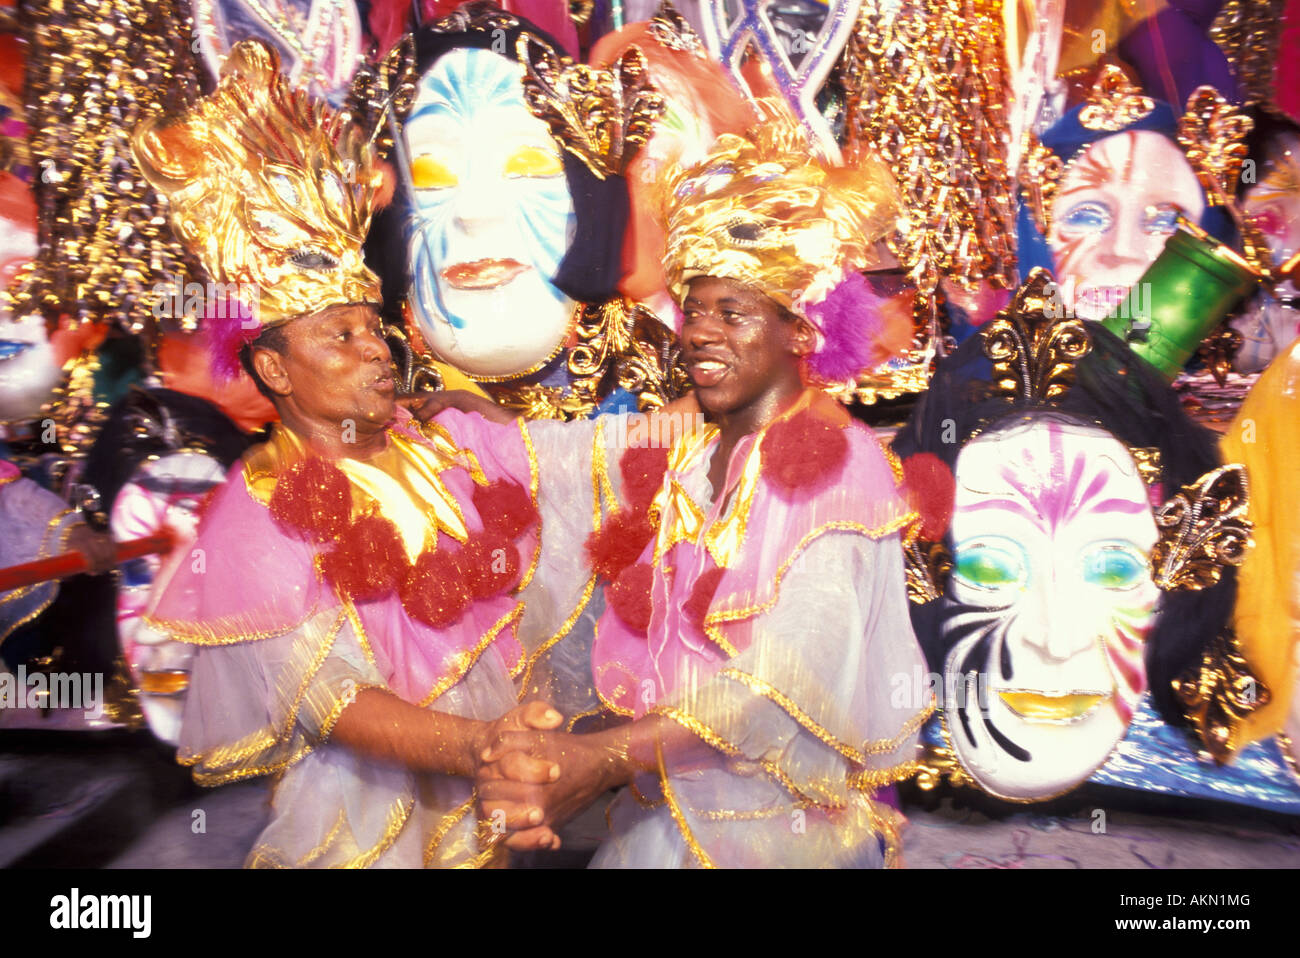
x: 600, y: 116
x: 1040, y: 178
x: 1149, y: 463
x: 670, y: 29
x: 1218, y: 693
x: 619, y: 345
x: 1114, y: 102
x: 1033, y: 344
x: 383, y: 92
x: 1202, y: 529
x: 936, y: 764
x: 926, y: 565
x: 1212, y: 132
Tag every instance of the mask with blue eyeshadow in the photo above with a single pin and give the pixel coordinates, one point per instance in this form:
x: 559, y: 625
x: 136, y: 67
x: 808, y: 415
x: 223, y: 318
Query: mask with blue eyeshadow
x: 491, y: 219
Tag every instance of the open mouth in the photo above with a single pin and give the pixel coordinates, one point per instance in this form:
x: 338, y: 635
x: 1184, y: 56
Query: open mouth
x: 706, y: 372
x: 483, y: 273
x: 1052, y: 708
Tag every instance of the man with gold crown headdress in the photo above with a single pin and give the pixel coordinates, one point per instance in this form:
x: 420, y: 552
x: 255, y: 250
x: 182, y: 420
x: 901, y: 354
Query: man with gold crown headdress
x: 356, y: 590
x: 757, y: 614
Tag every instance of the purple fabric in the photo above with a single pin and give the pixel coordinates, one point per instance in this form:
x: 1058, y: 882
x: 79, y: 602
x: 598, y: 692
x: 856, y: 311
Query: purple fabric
x: 1173, y: 54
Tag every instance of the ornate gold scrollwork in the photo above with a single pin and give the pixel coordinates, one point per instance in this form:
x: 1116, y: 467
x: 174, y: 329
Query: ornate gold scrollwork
x: 938, y: 763
x: 1040, y: 178
x: 926, y: 566
x: 1202, y: 529
x: 674, y: 31
x: 1218, y: 693
x: 1033, y: 351
x: 1114, y: 102
x: 619, y: 345
x: 381, y: 90
x: 414, y: 372
x: 600, y: 116
x: 1212, y: 132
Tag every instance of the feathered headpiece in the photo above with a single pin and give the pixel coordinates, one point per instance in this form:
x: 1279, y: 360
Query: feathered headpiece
x: 273, y: 191
x: 766, y: 211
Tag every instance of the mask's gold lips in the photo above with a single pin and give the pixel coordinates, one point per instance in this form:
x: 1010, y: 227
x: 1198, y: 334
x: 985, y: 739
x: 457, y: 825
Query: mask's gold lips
x: 1041, y: 707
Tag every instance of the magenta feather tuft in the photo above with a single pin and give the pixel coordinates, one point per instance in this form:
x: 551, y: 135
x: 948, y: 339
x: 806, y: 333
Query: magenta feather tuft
x: 849, y: 320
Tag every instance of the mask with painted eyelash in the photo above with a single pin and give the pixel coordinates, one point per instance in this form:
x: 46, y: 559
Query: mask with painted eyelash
x: 1049, y: 603
x: 269, y: 188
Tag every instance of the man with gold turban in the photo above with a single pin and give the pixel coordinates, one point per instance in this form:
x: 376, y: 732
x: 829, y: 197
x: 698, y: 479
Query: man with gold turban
x: 755, y: 663
x: 356, y: 590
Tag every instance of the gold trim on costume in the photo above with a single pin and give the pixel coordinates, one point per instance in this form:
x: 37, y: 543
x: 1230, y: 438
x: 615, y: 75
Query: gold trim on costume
x: 398, y: 816
x: 223, y: 630
x: 445, y: 826
x: 533, y: 483
x: 787, y: 705
x: 714, y: 619
x: 696, y: 849
x: 463, y: 661
x: 330, y: 838
x: 885, y: 746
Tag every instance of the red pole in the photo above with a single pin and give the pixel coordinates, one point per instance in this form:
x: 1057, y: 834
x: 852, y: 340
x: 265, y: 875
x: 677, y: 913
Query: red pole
x: 74, y: 562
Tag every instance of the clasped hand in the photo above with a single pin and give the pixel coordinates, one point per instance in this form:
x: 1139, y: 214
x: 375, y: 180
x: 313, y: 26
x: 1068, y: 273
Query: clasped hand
x: 532, y: 777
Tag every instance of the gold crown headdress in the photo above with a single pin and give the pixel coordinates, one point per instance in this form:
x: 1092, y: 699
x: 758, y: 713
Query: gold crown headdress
x: 270, y: 188
x: 766, y: 211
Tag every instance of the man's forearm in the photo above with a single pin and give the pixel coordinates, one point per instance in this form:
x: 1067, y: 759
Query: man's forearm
x: 384, y: 727
x: 638, y: 746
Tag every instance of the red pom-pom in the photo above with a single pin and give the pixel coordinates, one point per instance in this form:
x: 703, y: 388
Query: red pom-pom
x: 314, y: 499
x: 434, y: 591
x: 505, y: 508
x: 368, y: 561
x: 643, y: 473
x: 629, y: 596
x: 490, y: 564
x: 931, y: 489
x: 696, y: 606
x: 619, y: 543
x: 803, y: 452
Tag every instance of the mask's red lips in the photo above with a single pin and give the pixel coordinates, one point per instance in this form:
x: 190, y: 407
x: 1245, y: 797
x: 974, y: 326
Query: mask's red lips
x: 483, y: 273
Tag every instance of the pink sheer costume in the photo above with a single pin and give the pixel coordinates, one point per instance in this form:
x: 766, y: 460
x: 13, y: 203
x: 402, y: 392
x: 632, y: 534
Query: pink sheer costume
x: 280, y: 653
x: 796, y: 676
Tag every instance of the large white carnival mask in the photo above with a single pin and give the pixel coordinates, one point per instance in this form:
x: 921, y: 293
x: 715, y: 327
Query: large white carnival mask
x: 491, y: 220
x: 29, y: 370
x: 1048, y: 605
x: 1117, y: 205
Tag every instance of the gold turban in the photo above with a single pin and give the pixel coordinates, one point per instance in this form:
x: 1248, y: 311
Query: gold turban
x: 269, y: 187
x: 765, y: 211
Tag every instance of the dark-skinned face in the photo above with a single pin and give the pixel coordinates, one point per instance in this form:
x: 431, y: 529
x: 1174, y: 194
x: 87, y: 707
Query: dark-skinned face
x: 336, y: 368
x: 738, y: 347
